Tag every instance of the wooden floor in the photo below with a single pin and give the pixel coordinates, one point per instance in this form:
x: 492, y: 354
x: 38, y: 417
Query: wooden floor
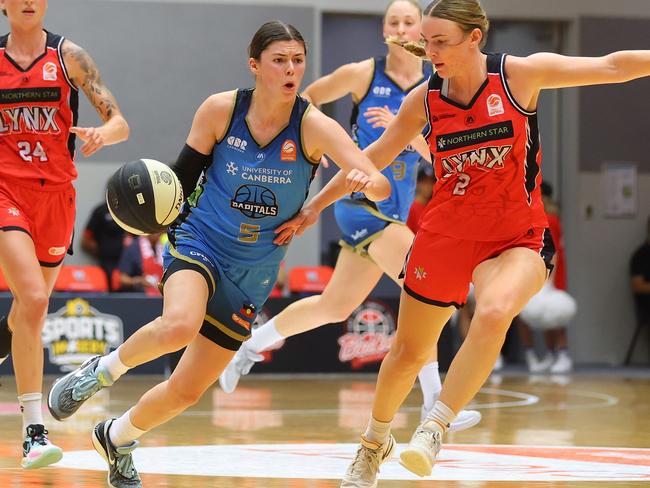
x: 287, y: 432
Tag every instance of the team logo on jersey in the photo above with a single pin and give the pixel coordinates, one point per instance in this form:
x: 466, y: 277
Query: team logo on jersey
x: 49, y: 71
x: 232, y: 168
x: 13, y: 211
x: 289, y: 151
x: 255, y: 202
x: 485, y: 158
x: 78, y: 332
x: 495, y: 105
x: 382, y: 91
x: 237, y: 144
x: 371, y: 329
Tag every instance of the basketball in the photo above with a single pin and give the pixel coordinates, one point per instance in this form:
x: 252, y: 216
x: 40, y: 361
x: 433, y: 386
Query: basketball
x: 144, y: 196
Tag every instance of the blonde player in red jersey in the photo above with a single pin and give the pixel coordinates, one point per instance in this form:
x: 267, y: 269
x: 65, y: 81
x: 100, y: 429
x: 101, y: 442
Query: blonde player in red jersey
x: 485, y: 223
x: 40, y: 75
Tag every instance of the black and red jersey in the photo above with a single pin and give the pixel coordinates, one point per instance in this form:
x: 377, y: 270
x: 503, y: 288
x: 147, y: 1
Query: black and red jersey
x: 38, y: 105
x: 487, y: 159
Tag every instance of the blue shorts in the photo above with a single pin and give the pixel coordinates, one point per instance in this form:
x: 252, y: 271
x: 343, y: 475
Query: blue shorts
x: 360, y: 224
x: 236, y: 293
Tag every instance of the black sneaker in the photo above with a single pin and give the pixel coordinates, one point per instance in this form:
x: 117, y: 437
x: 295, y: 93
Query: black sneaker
x: 121, y: 472
x: 38, y: 451
x: 70, y: 392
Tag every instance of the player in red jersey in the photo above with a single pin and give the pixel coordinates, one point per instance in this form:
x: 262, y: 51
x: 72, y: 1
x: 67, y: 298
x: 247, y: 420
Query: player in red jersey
x: 485, y: 223
x: 40, y: 75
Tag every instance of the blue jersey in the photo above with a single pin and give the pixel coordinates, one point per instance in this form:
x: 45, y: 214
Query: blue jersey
x: 402, y: 173
x: 249, y: 189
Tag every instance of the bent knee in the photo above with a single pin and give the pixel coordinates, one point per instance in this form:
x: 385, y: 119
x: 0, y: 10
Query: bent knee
x: 177, y: 331
x: 410, y: 355
x: 182, y: 393
x: 494, y: 317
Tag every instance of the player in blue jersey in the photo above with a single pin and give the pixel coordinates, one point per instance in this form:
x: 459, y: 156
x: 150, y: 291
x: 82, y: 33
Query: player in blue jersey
x: 375, y: 238
x: 258, y: 150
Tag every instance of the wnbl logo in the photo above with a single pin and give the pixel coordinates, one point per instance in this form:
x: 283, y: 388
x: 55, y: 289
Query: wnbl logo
x: 237, y: 143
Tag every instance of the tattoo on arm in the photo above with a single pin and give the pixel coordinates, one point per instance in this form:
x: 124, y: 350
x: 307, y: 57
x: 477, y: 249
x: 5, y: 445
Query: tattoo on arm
x: 85, y: 75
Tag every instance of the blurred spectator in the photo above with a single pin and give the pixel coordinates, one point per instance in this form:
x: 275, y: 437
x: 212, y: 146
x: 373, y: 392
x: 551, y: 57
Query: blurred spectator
x: 640, y: 274
x: 141, y: 265
x: 423, y: 192
x: 552, y: 308
x: 104, y: 240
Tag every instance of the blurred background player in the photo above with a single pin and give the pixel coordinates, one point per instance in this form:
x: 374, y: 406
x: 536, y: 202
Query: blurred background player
x: 37, y: 199
x: 552, y: 308
x: 375, y: 238
x: 104, y: 240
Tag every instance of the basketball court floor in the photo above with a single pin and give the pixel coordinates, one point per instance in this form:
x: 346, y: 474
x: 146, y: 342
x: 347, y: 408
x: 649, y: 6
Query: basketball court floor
x: 588, y: 429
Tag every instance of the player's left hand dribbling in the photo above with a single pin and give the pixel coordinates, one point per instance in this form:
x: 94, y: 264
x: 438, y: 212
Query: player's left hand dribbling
x: 93, y: 139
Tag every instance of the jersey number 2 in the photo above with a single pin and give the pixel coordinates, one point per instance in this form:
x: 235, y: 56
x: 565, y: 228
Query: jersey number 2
x: 461, y: 186
x: 29, y: 153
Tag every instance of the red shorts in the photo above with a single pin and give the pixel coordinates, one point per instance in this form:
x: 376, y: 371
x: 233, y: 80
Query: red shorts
x: 45, y: 212
x: 439, y: 268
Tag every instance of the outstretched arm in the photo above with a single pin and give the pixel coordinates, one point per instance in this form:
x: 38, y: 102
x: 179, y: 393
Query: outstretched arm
x: 84, y: 74
x: 527, y: 76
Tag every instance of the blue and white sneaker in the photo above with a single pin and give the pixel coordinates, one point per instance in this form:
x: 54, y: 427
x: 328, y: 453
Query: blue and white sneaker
x: 38, y: 451
x: 70, y: 392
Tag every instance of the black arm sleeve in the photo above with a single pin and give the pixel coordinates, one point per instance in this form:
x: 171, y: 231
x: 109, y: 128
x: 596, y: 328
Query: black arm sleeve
x: 189, y: 166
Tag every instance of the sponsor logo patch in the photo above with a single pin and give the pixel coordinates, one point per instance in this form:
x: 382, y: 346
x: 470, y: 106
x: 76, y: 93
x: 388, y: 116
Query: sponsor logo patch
x: 494, y: 105
x: 289, y: 151
x: 471, y: 137
x: 49, y: 71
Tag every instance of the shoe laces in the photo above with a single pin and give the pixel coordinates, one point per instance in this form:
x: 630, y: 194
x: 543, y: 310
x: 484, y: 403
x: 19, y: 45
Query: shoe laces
x: 365, y: 458
x: 124, y: 462
x: 431, y: 437
x: 37, y: 434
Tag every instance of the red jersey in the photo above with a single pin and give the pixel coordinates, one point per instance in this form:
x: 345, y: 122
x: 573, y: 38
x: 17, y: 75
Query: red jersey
x: 487, y: 160
x: 559, y: 271
x: 38, y: 105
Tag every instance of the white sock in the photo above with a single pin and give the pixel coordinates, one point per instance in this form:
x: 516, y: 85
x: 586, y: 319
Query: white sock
x: 30, y: 406
x: 123, y: 432
x: 377, y: 431
x: 429, y: 377
x: 113, y: 364
x: 440, y: 417
x: 264, y: 337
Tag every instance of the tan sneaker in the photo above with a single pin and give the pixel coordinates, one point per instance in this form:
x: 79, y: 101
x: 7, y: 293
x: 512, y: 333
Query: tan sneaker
x: 420, y: 455
x: 362, y: 473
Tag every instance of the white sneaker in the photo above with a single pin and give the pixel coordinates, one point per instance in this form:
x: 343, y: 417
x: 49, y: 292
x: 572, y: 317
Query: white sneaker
x: 536, y: 365
x: 362, y: 473
x: 465, y: 419
x: 563, y: 363
x: 420, y: 455
x: 239, y: 366
x: 38, y: 451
